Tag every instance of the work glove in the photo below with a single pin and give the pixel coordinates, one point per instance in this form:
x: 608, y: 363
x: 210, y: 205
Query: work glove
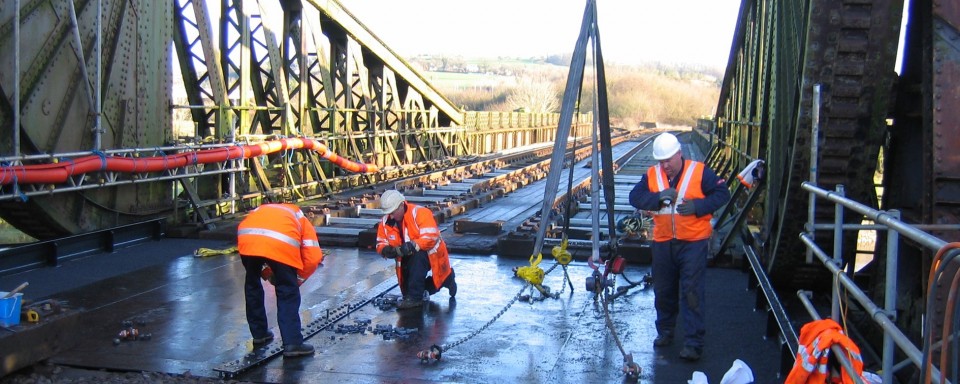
x: 389, y: 252
x: 687, y: 208
x: 668, y: 196
x: 408, y: 249
x: 266, y: 274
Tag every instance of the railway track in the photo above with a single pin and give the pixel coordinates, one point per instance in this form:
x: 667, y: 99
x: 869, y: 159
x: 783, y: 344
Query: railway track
x: 492, y: 206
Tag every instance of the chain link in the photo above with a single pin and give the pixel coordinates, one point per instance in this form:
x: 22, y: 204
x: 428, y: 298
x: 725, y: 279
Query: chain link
x: 447, y: 346
x: 516, y: 297
x: 566, y: 281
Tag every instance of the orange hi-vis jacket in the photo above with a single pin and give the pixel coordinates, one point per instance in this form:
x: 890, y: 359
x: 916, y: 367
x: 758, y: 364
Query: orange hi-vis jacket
x: 667, y: 223
x: 420, y: 228
x: 282, y: 233
x: 816, y: 338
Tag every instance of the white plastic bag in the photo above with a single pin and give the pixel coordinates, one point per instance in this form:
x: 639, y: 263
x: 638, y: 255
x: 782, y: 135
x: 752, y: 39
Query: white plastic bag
x: 698, y: 378
x: 739, y: 373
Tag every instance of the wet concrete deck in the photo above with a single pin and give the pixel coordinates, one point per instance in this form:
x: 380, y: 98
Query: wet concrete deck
x: 193, y: 308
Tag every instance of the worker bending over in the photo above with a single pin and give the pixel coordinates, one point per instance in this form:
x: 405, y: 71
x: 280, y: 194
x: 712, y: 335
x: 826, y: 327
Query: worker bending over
x: 278, y: 238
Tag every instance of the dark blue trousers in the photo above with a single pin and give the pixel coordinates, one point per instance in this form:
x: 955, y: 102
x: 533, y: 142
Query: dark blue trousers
x: 288, y: 299
x: 414, y: 269
x: 679, y: 269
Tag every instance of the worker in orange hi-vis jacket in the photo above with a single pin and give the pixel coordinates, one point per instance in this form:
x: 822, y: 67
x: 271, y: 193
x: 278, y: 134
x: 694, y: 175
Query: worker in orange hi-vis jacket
x: 409, y: 234
x: 278, y: 243
x: 682, y: 194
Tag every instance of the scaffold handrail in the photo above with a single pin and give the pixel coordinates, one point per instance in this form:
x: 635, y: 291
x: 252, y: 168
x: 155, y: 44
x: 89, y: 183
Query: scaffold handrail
x: 882, y: 317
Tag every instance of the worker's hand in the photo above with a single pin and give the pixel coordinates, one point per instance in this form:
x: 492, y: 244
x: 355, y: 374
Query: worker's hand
x: 266, y: 274
x: 687, y: 208
x: 389, y: 252
x: 408, y: 248
x: 668, y: 196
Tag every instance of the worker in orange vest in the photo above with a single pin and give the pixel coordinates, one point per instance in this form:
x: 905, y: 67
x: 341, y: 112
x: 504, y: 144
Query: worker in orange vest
x: 409, y: 234
x: 682, y: 195
x: 278, y: 239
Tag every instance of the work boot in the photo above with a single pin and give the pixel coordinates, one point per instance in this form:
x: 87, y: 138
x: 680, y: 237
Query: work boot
x: 263, y: 340
x: 451, y: 284
x: 410, y: 303
x: 663, y: 340
x: 691, y: 353
x: 297, y: 350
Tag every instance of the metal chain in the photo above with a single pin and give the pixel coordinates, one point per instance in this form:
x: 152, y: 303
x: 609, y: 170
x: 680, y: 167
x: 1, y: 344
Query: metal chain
x: 548, y: 272
x: 448, y: 346
x: 516, y: 297
x: 566, y: 279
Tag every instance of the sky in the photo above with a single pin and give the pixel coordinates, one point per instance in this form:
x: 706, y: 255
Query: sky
x: 631, y: 31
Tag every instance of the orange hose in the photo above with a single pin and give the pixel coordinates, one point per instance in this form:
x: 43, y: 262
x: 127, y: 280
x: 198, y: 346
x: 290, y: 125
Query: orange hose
x: 59, y: 172
x: 948, y: 328
x: 930, y: 279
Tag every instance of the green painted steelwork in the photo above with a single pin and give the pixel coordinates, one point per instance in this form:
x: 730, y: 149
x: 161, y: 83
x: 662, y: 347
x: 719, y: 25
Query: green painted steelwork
x: 321, y: 75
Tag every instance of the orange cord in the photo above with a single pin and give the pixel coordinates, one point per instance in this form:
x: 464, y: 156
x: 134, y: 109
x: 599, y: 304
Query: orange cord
x: 930, y: 279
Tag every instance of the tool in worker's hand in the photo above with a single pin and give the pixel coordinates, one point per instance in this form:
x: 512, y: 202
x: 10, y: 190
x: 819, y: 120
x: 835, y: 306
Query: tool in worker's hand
x: 267, y: 274
x: 17, y: 289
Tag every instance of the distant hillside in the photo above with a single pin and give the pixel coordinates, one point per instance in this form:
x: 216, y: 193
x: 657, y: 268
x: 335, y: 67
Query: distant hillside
x: 669, y: 94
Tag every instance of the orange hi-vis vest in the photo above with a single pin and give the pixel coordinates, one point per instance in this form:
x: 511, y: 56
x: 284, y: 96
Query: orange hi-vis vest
x: 420, y: 228
x: 281, y: 232
x: 816, y: 338
x: 667, y: 223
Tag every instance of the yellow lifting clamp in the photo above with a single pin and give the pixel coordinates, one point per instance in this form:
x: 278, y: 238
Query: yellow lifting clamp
x: 532, y: 273
x: 205, y: 252
x: 561, y: 254
x: 563, y: 257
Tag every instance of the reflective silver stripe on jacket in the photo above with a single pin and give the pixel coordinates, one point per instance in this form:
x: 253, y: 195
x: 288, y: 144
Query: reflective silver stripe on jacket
x: 687, y: 175
x: 311, y: 243
x: 382, y: 232
x: 423, y: 231
x: 805, y: 360
x: 269, y: 233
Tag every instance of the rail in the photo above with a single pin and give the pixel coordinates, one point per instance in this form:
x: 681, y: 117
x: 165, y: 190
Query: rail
x: 51, y: 253
x: 884, y: 316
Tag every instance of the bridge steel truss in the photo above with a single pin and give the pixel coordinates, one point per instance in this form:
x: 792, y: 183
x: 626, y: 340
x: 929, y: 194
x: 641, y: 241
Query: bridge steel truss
x: 264, y: 69
x: 789, y: 54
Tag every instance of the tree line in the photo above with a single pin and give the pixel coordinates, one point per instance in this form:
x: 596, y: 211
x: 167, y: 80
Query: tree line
x: 656, y: 92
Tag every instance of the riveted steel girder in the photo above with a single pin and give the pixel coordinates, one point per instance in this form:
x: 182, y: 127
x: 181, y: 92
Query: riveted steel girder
x: 318, y: 73
x: 781, y: 50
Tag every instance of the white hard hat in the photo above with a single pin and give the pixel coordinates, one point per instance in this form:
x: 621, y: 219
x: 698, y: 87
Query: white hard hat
x: 390, y: 201
x: 665, y: 146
